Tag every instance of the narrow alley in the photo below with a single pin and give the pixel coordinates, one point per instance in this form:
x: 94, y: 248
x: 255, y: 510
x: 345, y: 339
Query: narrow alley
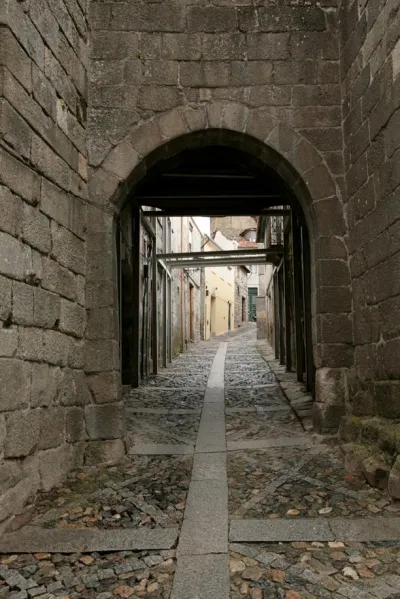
x: 223, y: 495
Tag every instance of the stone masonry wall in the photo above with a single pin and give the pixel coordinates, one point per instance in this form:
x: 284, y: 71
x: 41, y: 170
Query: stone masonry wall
x: 44, y: 398
x: 159, y: 70
x: 370, y: 75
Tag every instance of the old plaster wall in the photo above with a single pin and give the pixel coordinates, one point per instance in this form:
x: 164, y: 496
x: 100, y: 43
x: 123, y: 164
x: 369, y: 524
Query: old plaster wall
x: 45, y: 403
x: 370, y: 75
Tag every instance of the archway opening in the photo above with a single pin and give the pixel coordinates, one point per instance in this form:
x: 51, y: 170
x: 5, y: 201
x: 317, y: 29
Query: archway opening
x: 214, y: 173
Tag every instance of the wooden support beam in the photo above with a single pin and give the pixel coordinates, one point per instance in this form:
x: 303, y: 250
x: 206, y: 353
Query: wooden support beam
x: 307, y: 310
x: 154, y: 304
x: 298, y: 298
x: 281, y: 298
x: 135, y: 296
x: 287, y: 296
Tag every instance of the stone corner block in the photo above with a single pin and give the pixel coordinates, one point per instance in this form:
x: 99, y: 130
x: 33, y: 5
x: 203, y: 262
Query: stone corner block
x: 102, y: 452
x: 105, y: 421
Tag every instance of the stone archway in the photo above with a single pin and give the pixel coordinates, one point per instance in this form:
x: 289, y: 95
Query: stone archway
x: 303, y: 170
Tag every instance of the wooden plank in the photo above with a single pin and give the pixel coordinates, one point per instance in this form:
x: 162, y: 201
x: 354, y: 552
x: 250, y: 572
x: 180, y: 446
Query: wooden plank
x: 298, y: 298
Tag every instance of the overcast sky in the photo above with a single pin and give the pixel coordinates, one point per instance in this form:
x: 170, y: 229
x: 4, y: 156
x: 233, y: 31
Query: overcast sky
x: 203, y: 222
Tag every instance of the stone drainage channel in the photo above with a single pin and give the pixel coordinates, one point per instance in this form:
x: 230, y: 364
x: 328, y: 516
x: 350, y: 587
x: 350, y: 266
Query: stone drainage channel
x: 268, y: 511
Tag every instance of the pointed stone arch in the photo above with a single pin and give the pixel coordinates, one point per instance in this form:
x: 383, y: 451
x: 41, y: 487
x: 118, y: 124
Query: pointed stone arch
x: 300, y: 166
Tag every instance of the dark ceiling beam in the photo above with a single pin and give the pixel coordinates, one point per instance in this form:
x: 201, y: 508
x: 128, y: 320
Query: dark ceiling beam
x: 217, y: 212
x: 220, y: 196
x: 216, y: 254
x: 269, y: 259
x: 206, y: 176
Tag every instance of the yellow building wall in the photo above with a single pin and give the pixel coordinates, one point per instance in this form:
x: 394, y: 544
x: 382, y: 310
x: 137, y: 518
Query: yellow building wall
x: 219, y: 302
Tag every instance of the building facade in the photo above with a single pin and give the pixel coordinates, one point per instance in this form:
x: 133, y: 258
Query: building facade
x: 219, y: 292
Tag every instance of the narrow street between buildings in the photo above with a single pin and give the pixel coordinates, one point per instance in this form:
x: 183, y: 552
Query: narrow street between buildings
x: 223, y: 495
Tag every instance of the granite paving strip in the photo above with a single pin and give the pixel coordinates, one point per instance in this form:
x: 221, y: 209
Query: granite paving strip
x: 32, y: 539
x: 161, y: 449
x: 258, y: 531
x: 256, y: 408
x: 265, y: 443
x: 253, y: 530
x: 366, y: 529
x: 201, y: 577
x: 202, y: 567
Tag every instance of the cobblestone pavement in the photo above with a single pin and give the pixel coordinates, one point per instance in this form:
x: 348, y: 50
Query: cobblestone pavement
x: 153, y: 492
x: 95, y: 576
x: 300, y: 570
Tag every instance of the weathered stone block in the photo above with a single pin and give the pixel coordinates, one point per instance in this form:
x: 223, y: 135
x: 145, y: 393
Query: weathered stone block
x: 158, y: 99
x: 77, y: 355
x: 58, y: 279
x: 15, y: 58
x: 100, y: 294
x: 250, y: 73
x: 43, y: 92
x: 102, y: 324
x: 122, y: 160
x: 330, y: 392
x: 333, y: 273
x: 101, y: 355
x: 15, y: 257
x: 114, y: 45
x: 72, y: 318
x: 22, y: 303
x: 67, y: 249
x: 75, y: 425
x: 8, y: 342
x: 98, y: 452
x: 54, y: 465
x: 394, y: 479
x: 10, y: 211
x: 23, y: 430
x: 46, y: 381
x: 63, y: 208
x: 272, y: 46
x: 387, y: 398
x: 211, y: 19
x: 14, y: 130
x: 148, y: 17
x: 5, y: 298
x: 292, y: 19
x: 15, y: 498
x: 30, y: 344
x: 52, y: 427
x: 46, y: 308
x: 104, y: 421
x: 376, y: 470
x: 105, y: 387
x: 56, y: 347
x: 224, y: 46
x: 74, y: 390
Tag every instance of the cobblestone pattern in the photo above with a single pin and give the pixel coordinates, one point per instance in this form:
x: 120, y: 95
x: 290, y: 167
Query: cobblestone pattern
x: 140, y: 491
x: 164, y: 398
x: 88, y: 576
x: 315, y: 570
x: 265, y: 426
x: 291, y: 482
x: 287, y: 482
